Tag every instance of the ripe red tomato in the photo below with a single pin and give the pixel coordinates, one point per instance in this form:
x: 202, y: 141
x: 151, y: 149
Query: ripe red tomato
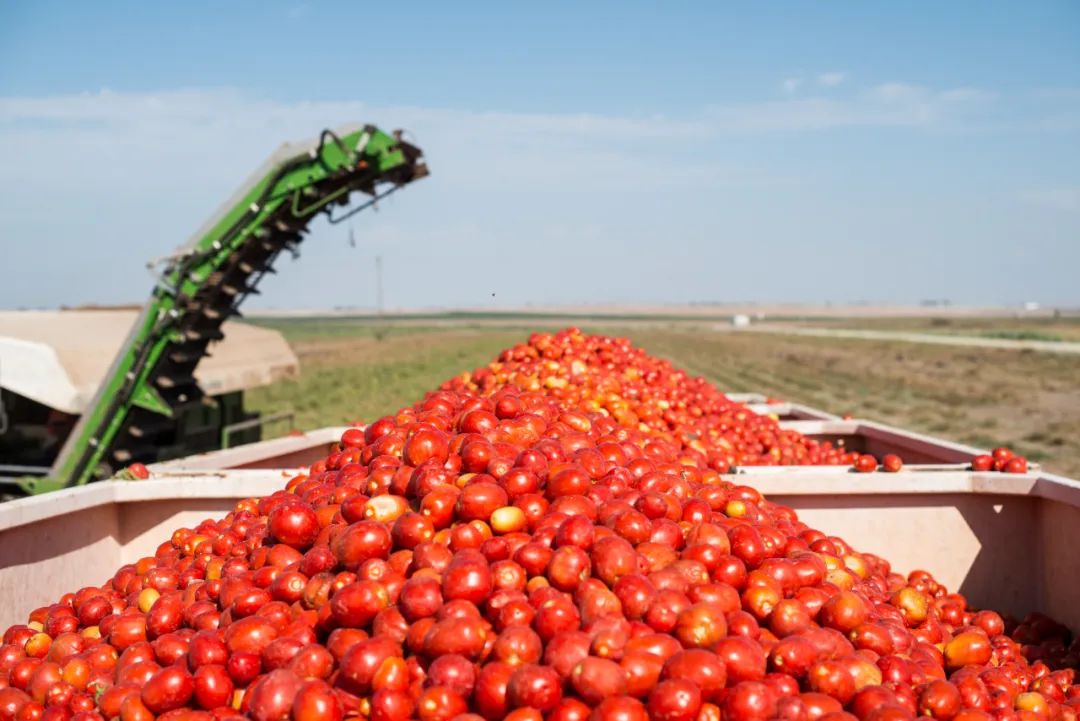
x: 547, y: 538
x: 213, y: 686
x: 138, y: 471
x: 168, y: 689
x: 295, y: 524
x: 1016, y: 464
x: 272, y: 697
x: 891, y: 463
x: 866, y: 463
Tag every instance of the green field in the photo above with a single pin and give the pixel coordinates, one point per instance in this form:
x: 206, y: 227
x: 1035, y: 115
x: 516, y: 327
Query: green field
x: 360, y: 369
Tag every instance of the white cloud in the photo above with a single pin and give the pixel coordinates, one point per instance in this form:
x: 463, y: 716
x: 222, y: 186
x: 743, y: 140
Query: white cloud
x: 790, y: 85
x: 886, y: 105
x: 897, y: 92
x: 163, y: 111
x: 967, y: 95
x: 832, y: 79
x: 119, y: 135
x: 1059, y: 109
x: 151, y: 117
x: 136, y: 172
x: 1063, y: 198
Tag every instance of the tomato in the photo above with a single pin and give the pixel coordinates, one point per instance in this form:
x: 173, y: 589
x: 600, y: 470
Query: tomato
x: 556, y: 536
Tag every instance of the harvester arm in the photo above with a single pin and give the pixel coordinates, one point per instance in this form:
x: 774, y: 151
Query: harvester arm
x: 204, y: 282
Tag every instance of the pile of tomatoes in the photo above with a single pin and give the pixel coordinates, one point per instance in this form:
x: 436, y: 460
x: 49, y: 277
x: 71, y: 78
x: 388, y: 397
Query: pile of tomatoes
x: 546, y: 538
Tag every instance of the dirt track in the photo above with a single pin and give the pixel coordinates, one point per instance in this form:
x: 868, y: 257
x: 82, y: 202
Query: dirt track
x: 953, y: 340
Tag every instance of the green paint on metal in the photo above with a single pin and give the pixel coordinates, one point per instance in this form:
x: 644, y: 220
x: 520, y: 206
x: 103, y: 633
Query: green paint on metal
x: 325, y: 173
x: 34, y: 484
x: 146, y: 397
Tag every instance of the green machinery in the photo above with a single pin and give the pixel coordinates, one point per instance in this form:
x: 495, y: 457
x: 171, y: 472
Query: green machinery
x: 204, y: 282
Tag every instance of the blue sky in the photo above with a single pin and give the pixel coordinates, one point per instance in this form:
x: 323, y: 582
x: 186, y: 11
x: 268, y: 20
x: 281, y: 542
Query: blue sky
x: 618, y: 152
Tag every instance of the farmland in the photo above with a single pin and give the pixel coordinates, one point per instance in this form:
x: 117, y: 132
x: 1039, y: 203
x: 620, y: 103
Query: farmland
x: 357, y: 369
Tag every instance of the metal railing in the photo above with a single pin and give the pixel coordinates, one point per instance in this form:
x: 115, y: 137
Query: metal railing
x: 21, y: 470
x: 230, y: 429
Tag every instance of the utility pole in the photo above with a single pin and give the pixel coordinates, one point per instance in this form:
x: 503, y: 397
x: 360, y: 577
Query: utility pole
x: 378, y: 284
